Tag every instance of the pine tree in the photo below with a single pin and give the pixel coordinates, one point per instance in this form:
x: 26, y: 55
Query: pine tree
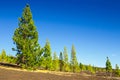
x: 66, y: 63
x: 117, y: 70
x: 26, y: 39
x: 3, y: 56
x: 74, y: 63
x: 81, y: 66
x: 55, y: 62
x: 108, y: 66
x: 61, y: 61
x: 39, y: 58
x: 47, y: 56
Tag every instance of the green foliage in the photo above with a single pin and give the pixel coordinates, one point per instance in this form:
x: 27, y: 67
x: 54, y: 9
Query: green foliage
x: 26, y: 39
x: 3, y: 56
x: 65, y: 59
x: 90, y: 68
x: 55, y: 62
x: 82, y: 67
x: 7, y: 58
x: 47, y: 58
x: 39, y: 59
x: 117, y: 70
x: 31, y: 56
x: 74, y: 63
x: 108, y: 65
x: 61, y: 63
x: 11, y: 59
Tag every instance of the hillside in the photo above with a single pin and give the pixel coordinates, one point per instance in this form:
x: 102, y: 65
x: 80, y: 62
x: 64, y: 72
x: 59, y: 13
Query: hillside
x: 18, y: 74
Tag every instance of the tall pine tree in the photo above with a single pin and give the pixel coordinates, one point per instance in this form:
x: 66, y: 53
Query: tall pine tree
x: 108, y: 67
x: 74, y: 63
x: 26, y: 39
x: 61, y: 61
x: 55, y: 62
x: 47, y: 56
x: 3, y: 56
x: 65, y: 59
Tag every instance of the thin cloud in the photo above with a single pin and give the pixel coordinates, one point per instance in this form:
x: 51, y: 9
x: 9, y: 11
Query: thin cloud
x: 114, y: 55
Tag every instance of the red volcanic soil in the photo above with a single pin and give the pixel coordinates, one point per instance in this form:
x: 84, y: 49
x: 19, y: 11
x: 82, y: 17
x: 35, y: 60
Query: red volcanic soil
x: 11, y: 74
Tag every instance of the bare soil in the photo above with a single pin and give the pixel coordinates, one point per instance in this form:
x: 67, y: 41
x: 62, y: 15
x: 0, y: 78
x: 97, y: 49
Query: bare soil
x: 17, y: 74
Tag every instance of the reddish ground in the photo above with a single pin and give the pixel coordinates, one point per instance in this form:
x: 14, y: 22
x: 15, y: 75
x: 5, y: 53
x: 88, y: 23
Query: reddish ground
x: 8, y: 74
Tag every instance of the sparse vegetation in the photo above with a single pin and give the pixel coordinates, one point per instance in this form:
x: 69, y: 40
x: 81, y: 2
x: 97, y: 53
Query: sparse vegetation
x: 108, y: 68
x: 33, y: 57
x: 4, y: 58
x: 117, y: 70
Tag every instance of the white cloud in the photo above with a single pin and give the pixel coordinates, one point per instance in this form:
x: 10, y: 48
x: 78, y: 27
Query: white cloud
x: 113, y: 55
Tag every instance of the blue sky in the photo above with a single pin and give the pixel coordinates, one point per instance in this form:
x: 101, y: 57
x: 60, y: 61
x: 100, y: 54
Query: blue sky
x: 93, y: 26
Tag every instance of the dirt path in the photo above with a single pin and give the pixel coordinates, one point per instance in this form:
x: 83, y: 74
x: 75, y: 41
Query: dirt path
x: 10, y: 74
